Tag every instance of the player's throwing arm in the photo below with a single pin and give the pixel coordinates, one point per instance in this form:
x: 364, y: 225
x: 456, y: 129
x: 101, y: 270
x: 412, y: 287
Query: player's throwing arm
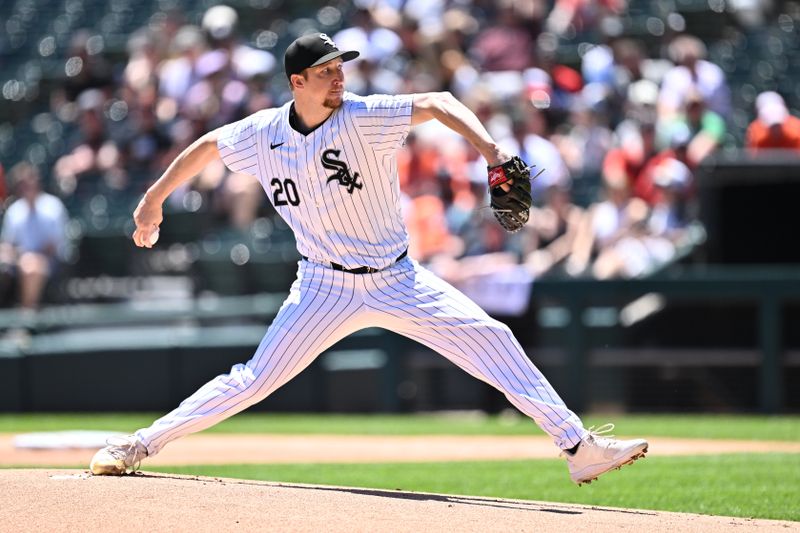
x: 149, y: 213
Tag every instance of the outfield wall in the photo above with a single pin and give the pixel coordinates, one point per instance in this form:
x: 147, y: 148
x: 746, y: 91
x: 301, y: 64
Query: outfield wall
x: 671, y: 360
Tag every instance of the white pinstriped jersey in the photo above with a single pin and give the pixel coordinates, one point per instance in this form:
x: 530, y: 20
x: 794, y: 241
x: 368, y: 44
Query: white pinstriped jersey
x: 337, y: 187
x: 338, y: 190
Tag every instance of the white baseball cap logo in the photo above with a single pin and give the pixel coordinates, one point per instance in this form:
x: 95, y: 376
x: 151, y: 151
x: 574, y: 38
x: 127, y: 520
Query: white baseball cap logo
x: 327, y: 40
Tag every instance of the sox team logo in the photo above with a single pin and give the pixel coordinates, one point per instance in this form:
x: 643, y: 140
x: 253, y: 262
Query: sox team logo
x: 342, y: 171
x: 327, y: 40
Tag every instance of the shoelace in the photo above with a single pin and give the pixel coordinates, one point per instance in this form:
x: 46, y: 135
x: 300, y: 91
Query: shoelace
x: 602, y: 431
x: 121, y: 448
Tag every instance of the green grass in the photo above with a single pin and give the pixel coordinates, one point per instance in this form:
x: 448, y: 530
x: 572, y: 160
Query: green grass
x: 701, y: 426
x: 760, y: 486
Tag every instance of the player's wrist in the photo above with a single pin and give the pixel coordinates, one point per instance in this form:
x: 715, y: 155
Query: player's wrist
x: 152, y: 196
x: 494, y: 155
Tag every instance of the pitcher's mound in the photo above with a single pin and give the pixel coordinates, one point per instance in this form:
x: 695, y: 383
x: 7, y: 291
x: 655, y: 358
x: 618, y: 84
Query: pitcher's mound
x: 73, y: 500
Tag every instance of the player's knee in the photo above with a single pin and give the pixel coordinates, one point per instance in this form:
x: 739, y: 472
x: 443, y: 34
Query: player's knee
x: 499, y: 327
x: 243, y: 375
x: 33, y: 264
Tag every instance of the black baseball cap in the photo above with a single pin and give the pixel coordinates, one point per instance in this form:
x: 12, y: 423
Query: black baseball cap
x: 311, y: 50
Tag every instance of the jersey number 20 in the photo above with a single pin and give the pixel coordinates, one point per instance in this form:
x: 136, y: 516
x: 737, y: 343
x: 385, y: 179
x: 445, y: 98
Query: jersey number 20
x: 284, y: 192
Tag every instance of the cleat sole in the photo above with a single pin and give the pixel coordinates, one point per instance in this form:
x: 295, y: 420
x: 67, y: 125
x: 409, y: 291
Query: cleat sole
x: 106, y: 470
x: 631, y: 460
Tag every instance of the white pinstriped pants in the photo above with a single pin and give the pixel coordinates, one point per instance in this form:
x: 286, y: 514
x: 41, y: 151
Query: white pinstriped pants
x: 325, y: 305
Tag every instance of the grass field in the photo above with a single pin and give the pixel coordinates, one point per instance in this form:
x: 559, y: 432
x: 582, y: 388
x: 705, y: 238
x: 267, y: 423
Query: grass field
x: 785, y: 428
x: 748, y: 485
x: 745, y: 485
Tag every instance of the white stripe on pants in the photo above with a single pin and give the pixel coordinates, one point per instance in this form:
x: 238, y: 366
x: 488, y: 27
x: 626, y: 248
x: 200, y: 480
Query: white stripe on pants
x: 325, y: 305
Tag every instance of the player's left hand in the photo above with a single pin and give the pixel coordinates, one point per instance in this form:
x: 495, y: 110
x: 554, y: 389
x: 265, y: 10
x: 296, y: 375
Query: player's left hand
x: 510, y: 188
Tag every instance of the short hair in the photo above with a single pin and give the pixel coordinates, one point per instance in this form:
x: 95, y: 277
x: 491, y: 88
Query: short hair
x: 23, y: 172
x: 685, y: 46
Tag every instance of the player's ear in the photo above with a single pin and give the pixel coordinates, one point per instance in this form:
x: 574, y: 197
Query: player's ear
x: 297, y: 81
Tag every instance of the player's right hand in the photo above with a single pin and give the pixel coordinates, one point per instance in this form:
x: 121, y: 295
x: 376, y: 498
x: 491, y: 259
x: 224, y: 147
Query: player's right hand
x: 147, y: 217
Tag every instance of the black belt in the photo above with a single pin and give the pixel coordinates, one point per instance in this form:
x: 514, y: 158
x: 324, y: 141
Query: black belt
x: 360, y: 270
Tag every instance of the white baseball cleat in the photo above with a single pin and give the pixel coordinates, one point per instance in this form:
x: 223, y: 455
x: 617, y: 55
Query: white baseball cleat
x: 121, y: 454
x: 598, y: 453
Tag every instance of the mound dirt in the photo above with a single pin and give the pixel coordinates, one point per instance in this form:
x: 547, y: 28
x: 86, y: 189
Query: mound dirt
x: 72, y: 500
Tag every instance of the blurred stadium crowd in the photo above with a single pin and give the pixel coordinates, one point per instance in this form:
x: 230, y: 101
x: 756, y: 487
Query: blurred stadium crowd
x: 617, y: 103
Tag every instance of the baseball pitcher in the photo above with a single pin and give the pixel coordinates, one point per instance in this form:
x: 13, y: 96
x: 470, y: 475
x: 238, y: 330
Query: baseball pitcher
x: 327, y: 162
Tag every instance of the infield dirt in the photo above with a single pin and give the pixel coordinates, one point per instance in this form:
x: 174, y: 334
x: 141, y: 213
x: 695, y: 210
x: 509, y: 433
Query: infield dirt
x: 262, y: 449
x: 73, y: 500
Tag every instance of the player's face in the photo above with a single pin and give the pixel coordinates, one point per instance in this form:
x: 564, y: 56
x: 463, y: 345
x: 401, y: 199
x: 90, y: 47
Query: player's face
x: 326, y: 81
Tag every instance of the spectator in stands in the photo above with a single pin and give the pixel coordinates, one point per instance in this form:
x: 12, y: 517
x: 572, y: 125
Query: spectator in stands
x: 581, y: 15
x: 32, y: 241
x: 505, y: 44
x: 588, y: 139
x: 641, y: 98
x: 608, y: 222
x: 418, y: 165
x: 220, y: 23
x: 426, y: 221
x: 143, y: 57
x: 531, y: 133
x: 457, y: 71
x: 706, y: 128
x: 176, y: 73
x: 655, y: 242
x: 622, y: 66
x: 671, y: 215
x: 79, y: 172
x: 85, y: 68
x: 143, y: 142
x: 488, y: 256
x: 679, y: 138
x: 210, y: 97
x: 367, y: 74
x: 692, y: 72
x: 630, y: 61
x: 464, y: 200
x: 552, y: 230
x: 634, y: 147
x: 483, y: 236
x: 773, y: 127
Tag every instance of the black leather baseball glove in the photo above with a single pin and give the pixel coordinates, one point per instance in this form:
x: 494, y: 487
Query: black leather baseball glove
x: 512, y: 207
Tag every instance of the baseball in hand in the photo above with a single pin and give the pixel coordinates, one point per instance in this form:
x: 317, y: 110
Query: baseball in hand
x: 154, y: 237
